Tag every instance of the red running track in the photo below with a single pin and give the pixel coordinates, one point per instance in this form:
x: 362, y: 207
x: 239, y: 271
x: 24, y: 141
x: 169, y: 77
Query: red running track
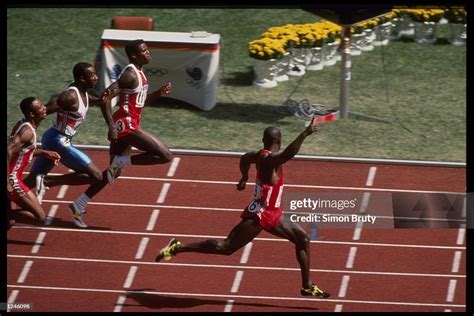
x: 109, y: 266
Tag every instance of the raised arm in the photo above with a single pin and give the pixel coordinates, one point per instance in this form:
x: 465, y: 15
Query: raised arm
x: 245, y: 162
x: 292, y: 149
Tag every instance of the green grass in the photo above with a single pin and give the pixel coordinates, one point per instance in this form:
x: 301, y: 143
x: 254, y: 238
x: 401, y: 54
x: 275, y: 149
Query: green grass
x: 426, y: 85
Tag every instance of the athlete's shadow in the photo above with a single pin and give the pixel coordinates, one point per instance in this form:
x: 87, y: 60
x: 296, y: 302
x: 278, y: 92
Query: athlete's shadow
x: 154, y: 301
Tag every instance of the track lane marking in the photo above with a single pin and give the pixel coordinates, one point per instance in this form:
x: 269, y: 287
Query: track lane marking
x: 127, y: 262
x: 173, y: 167
x: 338, y: 308
x: 38, y: 242
x: 222, y: 237
x: 130, y: 277
x: 13, y: 296
x: 289, y: 185
x: 202, y: 208
x: 119, y: 304
x: 51, y: 214
x: 451, y: 290
x: 344, y: 285
x: 351, y: 257
x: 234, y: 296
x: 456, y: 261
x: 142, y: 247
x: 245, y: 255
x: 236, y: 284
x: 163, y: 193
x: 152, y: 221
x: 24, y: 271
x: 371, y: 176
x: 228, y: 306
x: 62, y: 191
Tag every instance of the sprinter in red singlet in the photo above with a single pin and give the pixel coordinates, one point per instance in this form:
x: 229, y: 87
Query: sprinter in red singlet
x: 124, y: 125
x: 20, y: 150
x: 263, y: 212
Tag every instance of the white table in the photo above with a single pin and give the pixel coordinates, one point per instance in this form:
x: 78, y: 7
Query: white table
x: 190, y: 61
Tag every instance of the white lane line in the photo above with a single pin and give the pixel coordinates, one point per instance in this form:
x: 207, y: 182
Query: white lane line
x: 307, y: 186
x: 451, y: 290
x: 38, y: 242
x: 357, y: 231
x: 237, y: 280
x: 456, y: 261
x: 461, y: 234
x: 447, y: 310
x: 24, y: 271
x: 62, y: 191
x: 338, y: 308
x: 119, y: 304
x: 351, y: 257
x: 241, y: 267
x: 239, y: 210
x: 344, y: 284
x: 51, y: 214
x: 233, y: 296
x: 365, y: 202
x: 463, y: 213
x: 223, y: 237
x: 12, y: 297
x: 142, y: 247
x: 164, y: 192
x: 152, y: 220
x: 246, y: 253
x: 130, y: 277
x: 228, y: 306
x: 173, y: 167
x: 370, y: 178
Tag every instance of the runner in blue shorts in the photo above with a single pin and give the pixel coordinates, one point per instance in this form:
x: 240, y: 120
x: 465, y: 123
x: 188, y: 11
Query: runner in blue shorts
x: 71, y: 107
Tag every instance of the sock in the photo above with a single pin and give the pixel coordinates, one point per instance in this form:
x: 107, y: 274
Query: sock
x: 82, y: 201
x: 123, y: 161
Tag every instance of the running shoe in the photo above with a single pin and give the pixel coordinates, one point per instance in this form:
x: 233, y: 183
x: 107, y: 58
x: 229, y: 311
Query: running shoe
x: 314, y: 290
x: 77, y: 214
x: 113, y: 170
x: 40, y: 187
x: 169, y: 251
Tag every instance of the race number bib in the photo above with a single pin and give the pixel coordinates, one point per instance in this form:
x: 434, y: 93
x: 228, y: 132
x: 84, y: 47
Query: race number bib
x: 255, y: 206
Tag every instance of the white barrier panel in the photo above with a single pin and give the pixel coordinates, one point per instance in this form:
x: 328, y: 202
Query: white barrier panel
x: 190, y: 61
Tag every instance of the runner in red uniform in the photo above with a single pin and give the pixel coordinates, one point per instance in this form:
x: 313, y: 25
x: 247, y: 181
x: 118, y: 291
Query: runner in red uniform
x: 20, y: 150
x: 124, y: 125
x: 263, y: 212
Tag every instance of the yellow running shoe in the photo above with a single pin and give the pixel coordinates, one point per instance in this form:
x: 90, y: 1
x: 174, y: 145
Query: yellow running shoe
x: 169, y: 251
x: 314, y: 290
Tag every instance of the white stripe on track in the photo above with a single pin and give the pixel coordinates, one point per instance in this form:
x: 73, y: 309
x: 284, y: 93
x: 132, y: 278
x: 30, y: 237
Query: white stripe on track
x: 152, y: 221
x: 239, y: 267
x: 451, y: 290
x: 351, y: 257
x: 461, y: 234
x: 25, y: 271
x: 163, y: 193
x: 212, y: 295
x: 13, y: 296
x: 228, y: 306
x: 118, y: 306
x: 344, y: 285
x: 173, y: 167
x: 246, y: 253
x: 456, y: 261
x: 38, y: 242
x: 370, y: 178
x: 237, y: 280
x: 338, y: 308
x: 51, y: 214
x: 142, y: 247
x: 130, y: 277
x: 62, y: 191
x: 222, y: 237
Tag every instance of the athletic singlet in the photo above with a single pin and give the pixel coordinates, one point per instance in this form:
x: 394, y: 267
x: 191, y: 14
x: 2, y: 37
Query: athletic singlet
x: 131, y: 101
x: 24, y: 156
x: 68, y: 122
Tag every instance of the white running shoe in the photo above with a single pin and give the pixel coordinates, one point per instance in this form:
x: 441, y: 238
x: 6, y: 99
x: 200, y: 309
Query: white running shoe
x: 113, y: 170
x: 40, y: 187
x: 77, y: 214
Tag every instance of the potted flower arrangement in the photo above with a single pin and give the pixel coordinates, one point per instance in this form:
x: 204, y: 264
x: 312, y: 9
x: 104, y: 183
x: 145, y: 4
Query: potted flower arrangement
x: 456, y: 17
x: 425, y: 24
x: 265, y: 53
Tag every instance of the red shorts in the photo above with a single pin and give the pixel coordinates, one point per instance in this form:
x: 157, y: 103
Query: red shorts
x: 19, y: 188
x: 125, y: 124
x: 269, y: 217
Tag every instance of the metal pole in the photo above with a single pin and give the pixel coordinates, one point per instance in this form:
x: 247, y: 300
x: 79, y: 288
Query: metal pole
x: 346, y: 71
